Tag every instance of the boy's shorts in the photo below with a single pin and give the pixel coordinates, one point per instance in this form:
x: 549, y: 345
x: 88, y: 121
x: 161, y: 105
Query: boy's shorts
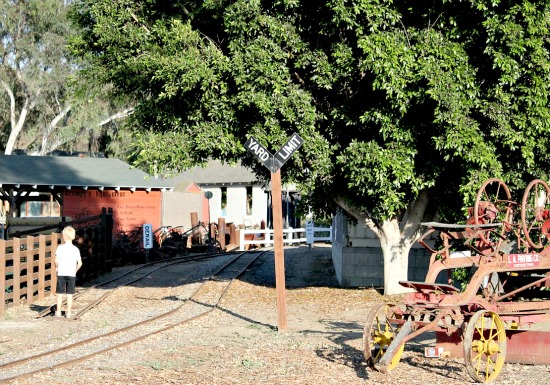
x: 65, y: 285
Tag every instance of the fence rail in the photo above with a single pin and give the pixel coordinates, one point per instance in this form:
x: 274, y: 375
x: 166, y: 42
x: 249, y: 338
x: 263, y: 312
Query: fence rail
x: 27, y: 264
x: 290, y: 236
x: 27, y: 268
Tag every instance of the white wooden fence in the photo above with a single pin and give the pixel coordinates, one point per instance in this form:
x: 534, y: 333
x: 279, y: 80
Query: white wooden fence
x: 290, y: 236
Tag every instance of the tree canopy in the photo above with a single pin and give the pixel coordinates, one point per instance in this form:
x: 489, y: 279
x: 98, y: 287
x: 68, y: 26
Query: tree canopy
x: 399, y: 102
x: 45, y: 106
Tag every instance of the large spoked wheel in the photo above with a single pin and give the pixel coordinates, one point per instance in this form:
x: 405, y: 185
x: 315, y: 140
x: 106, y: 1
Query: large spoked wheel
x: 484, y: 346
x: 380, y: 330
x: 493, y: 205
x: 535, y: 214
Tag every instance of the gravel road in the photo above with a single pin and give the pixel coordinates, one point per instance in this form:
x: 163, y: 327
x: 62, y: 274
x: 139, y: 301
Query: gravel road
x: 239, y: 343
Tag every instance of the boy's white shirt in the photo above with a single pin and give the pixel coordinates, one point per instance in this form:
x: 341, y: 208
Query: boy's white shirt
x: 67, y: 258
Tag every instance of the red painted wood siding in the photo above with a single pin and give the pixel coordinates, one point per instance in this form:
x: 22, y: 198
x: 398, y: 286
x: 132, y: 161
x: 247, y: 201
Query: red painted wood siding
x: 130, y: 209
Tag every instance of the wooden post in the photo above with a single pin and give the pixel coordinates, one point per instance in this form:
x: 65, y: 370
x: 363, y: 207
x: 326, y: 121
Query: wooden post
x: 221, y: 232
x: 274, y: 164
x: 41, y: 266
x: 232, y: 234
x: 196, y: 233
x: 16, y: 271
x: 212, y: 231
x: 279, y: 249
x: 55, y: 237
x: 2, y: 276
x: 29, y: 261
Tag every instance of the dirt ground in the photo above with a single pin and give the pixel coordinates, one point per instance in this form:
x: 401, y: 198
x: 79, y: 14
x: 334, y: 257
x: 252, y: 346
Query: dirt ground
x: 239, y: 343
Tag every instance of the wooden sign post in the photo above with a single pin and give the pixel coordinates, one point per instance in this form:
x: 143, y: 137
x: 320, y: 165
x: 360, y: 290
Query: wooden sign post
x: 274, y: 164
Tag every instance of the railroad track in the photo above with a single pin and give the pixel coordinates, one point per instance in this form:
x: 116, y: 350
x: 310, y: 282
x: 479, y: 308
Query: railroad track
x: 204, y: 297
x: 86, y: 299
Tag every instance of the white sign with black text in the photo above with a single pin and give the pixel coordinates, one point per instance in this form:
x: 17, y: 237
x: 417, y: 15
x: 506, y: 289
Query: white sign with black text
x: 309, y: 231
x: 147, y: 236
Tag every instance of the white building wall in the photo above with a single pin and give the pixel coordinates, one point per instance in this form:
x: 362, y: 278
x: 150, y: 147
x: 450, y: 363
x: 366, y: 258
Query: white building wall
x: 235, y: 211
x: 236, y: 205
x: 215, y: 203
x: 358, y: 260
x: 259, y: 205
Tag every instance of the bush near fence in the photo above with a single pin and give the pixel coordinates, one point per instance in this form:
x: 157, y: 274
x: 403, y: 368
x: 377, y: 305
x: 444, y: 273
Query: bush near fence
x: 27, y: 263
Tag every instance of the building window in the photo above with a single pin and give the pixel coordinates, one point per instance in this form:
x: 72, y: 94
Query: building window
x: 248, y: 200
x: 224, y: 200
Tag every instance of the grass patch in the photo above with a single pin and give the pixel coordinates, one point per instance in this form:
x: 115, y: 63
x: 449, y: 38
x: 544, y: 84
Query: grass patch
x: 250, y: 363
x: 158, y: 365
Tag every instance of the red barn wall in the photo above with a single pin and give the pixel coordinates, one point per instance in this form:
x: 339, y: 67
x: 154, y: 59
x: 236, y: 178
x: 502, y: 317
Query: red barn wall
x: 130, y: 208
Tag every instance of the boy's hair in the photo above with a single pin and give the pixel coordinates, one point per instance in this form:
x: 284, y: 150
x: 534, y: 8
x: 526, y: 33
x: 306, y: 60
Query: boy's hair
x: 69, y: 233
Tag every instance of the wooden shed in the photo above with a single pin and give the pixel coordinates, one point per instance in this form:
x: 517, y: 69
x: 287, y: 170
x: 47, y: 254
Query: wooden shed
x: 81, y: 187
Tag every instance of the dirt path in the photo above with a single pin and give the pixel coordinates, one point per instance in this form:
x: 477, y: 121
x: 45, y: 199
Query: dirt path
x: 239, y: 343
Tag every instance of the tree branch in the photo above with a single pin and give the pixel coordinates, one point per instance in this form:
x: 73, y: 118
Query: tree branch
x: 119, y: 115
x: 361, y: 217
x: 49, y: 129
x: 415, y: 214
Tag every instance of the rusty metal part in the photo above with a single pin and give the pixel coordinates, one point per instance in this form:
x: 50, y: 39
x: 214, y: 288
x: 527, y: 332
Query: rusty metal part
x: 509, y: 277
x: 222, y: 279
x: 493, y: 204
x: 534, y: 208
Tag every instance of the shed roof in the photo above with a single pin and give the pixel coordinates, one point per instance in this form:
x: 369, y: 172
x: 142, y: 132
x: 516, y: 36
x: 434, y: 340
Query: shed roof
x: 217, y: 173
x: 67, y: 171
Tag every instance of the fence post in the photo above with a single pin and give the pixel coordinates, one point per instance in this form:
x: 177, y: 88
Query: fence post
x: 41, y: 266
x: 2, y: 276
x: 195, y: 236
x: 241, y: 239
x: 221, y: 232
x: 102, y: 250
x: 212, y: 231
x: 53, y: 273
x: 105, y: 259
x: 29, y: 259
x: 16, y: 271
x: 109, y: 240
x: 232, y: 234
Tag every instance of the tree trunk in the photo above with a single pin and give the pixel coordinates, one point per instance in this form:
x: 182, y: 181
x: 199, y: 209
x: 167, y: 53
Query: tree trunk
x: 49, y: 128
x: 395, y: 251
x: 396, y: 235
x: 15, y: 123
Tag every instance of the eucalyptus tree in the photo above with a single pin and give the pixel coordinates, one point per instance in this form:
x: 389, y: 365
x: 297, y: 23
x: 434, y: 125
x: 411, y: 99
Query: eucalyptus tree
x: 405, y: 107
x: 44, y: 105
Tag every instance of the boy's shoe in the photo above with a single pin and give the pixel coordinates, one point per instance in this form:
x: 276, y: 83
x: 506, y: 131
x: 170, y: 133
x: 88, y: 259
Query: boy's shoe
x: 57, y: 314
x: 69, y: 315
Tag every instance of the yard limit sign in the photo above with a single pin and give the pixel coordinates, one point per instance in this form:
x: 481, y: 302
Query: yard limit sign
x: 274, y: 164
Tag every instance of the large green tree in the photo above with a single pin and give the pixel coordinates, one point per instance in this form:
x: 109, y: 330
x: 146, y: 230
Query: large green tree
x: 405, y: 107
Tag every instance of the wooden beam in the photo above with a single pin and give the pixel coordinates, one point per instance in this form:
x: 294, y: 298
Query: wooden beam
x: 279, y: 249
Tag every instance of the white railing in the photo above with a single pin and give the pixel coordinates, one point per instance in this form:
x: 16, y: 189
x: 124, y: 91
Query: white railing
x: 290, y: 236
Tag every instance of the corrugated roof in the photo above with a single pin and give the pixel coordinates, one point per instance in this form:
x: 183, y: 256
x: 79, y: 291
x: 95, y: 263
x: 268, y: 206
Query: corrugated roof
x: 216, y: 173
x: 74, y: 172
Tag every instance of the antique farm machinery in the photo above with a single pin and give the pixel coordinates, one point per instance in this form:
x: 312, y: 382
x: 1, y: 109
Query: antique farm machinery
x: 504, y: 249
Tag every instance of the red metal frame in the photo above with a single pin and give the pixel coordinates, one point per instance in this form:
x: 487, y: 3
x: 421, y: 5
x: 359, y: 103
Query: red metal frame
x: 509, y: 261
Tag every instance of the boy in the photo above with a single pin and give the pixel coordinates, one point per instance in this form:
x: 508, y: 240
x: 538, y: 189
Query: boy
x: 67, y: 263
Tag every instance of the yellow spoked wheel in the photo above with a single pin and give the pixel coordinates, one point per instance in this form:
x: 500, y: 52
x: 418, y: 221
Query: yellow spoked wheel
x: 378, y: 334
x: 484, y: 346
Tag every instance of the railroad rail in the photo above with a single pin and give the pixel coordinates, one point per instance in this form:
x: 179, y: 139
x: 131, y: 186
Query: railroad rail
x: 90, y: 297
x: 203, y: 298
